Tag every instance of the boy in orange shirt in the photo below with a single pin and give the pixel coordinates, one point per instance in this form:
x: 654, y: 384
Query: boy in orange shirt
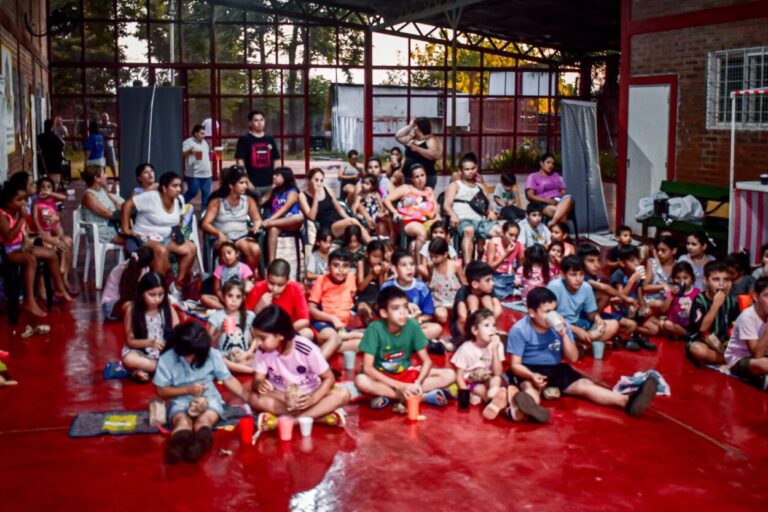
x: 330, y: 305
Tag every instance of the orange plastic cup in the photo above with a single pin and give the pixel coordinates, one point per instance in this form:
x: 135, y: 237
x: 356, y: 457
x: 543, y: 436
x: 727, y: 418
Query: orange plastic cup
x: 412, y: 404
x: 246, y: 425
x: 285, y: 427
x: 219, y: 152
x: 744, y: 301
x: 198, y: 155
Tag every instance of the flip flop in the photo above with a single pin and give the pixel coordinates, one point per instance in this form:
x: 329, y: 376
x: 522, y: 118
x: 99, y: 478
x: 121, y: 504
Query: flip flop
x: 435, y: 397
x: 380, y: 402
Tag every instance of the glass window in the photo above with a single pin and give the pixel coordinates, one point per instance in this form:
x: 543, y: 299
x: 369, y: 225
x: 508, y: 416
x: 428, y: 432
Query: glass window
x: 100, y: 80
x: 293, y: 116
x: 159, y: 40
x: 132, y: 9
x: 67, y: 46
x: 198, y: 109
x: 291, y: 44
x: 293, y: 81
x: 233, y: 81
x: 234, y: 115
x: 98, y: 9
x: 194, y: 10
x: 230, y: 43
x: 265, y: 81
x: 99, y: 42
x: 166, y: 77
x: 198, y: 81
x: 98, y: 106
x: 129, y: 75
x: 197, y: 43
x: 67, y: 80
x: 261, y: 44
x: 132, y: 42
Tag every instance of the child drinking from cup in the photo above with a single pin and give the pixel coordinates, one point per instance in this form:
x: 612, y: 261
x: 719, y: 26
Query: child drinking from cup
x: 185, y: 376
x: 231, y: 326
x: 292, y: 375
x: 504, y: 254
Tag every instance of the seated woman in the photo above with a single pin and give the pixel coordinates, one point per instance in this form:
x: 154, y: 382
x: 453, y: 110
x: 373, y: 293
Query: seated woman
x: 285, y: 214
x: 99, y: 206
x: 145, y: 179
x: 320, y: 206
x: 547, y: 188
x: 233, y: 215
x: 157, y: 213
x: 418, y: 206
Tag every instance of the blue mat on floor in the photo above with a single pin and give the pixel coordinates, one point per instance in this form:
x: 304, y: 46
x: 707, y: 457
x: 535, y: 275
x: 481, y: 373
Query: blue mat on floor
x: 122, y: 423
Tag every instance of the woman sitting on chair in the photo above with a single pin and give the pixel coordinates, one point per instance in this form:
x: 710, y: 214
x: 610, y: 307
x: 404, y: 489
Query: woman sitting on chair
x: 547, y: 188
x: 418, y: 206
x: 99, y: 206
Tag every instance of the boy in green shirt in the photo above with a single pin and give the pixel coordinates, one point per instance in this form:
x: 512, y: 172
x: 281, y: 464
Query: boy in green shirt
x: 387, y: 346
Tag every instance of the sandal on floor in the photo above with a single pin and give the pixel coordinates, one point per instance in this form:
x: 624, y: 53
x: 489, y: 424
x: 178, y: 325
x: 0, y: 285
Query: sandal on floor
x: 435, y: 397
x: 380, y: 402
x: 495, y: 406
x: 452, y: 391
x: 140, y: 376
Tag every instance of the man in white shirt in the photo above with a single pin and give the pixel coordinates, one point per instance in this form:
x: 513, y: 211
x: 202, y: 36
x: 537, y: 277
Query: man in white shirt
x: 198, y: 166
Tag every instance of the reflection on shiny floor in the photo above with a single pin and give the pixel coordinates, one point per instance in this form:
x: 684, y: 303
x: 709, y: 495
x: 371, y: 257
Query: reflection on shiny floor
x: 703, y: 448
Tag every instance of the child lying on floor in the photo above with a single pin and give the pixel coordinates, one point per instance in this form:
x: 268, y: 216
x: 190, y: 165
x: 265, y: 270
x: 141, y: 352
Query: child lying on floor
x: 387, y: 347
x: 185, y: 376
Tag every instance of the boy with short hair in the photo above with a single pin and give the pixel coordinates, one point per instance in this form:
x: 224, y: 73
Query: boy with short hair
x: 712, y: 314
x: 623, y: 237
x: 628, y: 279
x: 506, y: 198
x: 532, y: 229
x: 387, y: 346
x: 576, y: 304
x: 747, y: 350
x: 477, y: 294
x: 278, y: 289
x: 330, y: 305
x: 421, y: 306
x: 537, y: 350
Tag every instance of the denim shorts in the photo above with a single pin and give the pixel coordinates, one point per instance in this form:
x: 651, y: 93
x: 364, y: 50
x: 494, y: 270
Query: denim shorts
x: 108, y: 309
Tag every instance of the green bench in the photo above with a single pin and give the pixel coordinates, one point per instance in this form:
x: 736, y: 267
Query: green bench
x: 712, y: 199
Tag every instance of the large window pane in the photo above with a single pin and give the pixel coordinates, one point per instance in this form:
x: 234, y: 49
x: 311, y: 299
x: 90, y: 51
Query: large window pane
x: 100, y: 80
x: 261, y: 46
x: 233, y: 81
x: 67, y: 46
x: 198, y: 109
x: 230, y: 43
x: 193, y: 10
x: 67, y: 80
x: 98, y: 9
x: 132, y: 9
x: 166, y: 77
x: 98, y: 106
x: 99, y: 42
x: 71, y: 113
x: 159, y: 9
x: 265, y: 81
x: 197, y: 43
x: 293, y: 81
x: 198, y: 81
x: 159, y: 38
x: 129, y: 75
x: 293, y: 116
x: 291, y: 44
x: 234, y: 115
x: 132, y: 42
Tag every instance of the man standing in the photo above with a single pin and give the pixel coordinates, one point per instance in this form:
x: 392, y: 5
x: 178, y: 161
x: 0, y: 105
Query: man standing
x: 50, y: 150
x: 257, y: 152
x: 198, y: 170
x: 107, y: 130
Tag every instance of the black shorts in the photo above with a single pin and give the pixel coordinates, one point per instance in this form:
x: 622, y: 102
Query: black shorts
x: 559, y: 376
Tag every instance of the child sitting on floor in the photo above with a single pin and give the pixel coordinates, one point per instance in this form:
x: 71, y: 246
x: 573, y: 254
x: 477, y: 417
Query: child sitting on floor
x: 229, y: 267
x: 678, y: 301
x: 555, y: 254
x: 762, y: 270
x: 292, y: 375
x: 120, y: 287
x: 436, y: 230
x: 149, y: 321
x: 370, y: 207
x: 696, y: 246
x: 534, y: 271
x: 371, y: 275
x: 712, y: 316
x: 185, y: 375
x: 421, y: 304
x: 387, y: 346
x: 628, y: 279
x: 747, y: 351
x: 532, y: 230
x: 330, y: 305
x: 478, y: 362
x: 231, y: 327
x: 317, y: 265
x: 576, y: 304
x: 278, y: 289
x: 504, y: 254
x: 537, y: 352
x: 623, y: 237
x: 446, y: 278
x: 475, y: 295
x: 740, y: 273
x: 353, y: 243
x: 658, y: 271
x: 560, y: 233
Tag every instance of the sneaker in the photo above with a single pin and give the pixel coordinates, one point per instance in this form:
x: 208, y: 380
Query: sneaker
x: 201, y: 443
x: 641, y: 399
x: 334, y: 419
x: 175, y: 293
x: 266, y: 421
x: 177, y: 446
x: 452, y: 391
x: 529, y: 407
x: 645, y: 343
x: 379, y: 402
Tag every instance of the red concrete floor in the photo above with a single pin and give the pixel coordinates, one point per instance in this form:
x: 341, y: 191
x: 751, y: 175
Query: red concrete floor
x: 703, y: 448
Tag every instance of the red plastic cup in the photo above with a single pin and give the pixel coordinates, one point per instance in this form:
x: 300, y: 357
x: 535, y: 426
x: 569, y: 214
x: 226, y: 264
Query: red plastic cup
x: 246, y: 429
x: 412, y: 404
x: 285, y: 427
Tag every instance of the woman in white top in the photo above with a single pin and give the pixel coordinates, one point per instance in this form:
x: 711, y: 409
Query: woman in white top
x: 233, y: 215
x: 99, y: 206
x: 157, y: 213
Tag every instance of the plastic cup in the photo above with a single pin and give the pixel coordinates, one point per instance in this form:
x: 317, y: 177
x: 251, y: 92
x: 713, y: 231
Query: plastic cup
x: 305, y: 425
x: 554, y: 320
x: 349, y: 359
x: 412, y: 404
x: 229, y: 326
x: 463, y: 399
x: 219, y: 152
x: 285, y: 427
x: 598, y: 348
x: 198, y: 155
x: 245, y: 426
x: 764, y: 179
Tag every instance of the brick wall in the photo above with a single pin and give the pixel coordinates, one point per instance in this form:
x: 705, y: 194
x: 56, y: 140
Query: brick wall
x: 644, y: 9
x: 30, y: 60
x: 702, y: 155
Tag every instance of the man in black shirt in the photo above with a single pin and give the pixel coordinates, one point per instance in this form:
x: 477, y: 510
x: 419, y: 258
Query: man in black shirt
x: 50, y: 149
x: 257, y: 152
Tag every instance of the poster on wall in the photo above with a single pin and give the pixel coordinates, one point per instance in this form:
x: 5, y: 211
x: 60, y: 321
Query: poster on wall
x: 7, y: 105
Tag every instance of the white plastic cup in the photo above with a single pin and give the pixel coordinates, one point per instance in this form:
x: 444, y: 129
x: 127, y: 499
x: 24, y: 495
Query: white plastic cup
x: 349, y: 360
x: 305, y: 425
x: 555, y: 321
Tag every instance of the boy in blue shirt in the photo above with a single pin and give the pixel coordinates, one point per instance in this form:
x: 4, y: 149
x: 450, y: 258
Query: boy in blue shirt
x: 628, y: 280
x: 387, y: 347
x: 536, y: 352
x: 576, y: 304
x: 421, y: 306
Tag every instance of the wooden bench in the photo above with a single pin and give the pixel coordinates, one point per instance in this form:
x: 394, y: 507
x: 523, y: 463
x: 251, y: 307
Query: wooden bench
x: 712, y: 198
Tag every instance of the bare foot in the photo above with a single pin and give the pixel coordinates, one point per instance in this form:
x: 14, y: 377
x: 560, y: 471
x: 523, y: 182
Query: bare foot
x: 64, y: 296
x: 4, y: 382
x: 34, y: 309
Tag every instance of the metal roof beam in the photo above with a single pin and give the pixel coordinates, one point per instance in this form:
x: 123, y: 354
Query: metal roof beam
x: 436, y: 7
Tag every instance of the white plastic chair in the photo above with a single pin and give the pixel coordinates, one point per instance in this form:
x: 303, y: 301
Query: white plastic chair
x: 92, y: 245
x: 194, y: 237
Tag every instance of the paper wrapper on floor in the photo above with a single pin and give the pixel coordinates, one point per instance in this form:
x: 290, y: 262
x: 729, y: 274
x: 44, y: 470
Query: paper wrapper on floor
x: 292, y: 395
x: 157, y: 413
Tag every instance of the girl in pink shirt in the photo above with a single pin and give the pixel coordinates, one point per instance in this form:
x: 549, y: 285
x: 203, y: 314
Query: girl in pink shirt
x: 291, y: 375
x: 678, y: 301
x: 535, y: 270
x: 503, y: 254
